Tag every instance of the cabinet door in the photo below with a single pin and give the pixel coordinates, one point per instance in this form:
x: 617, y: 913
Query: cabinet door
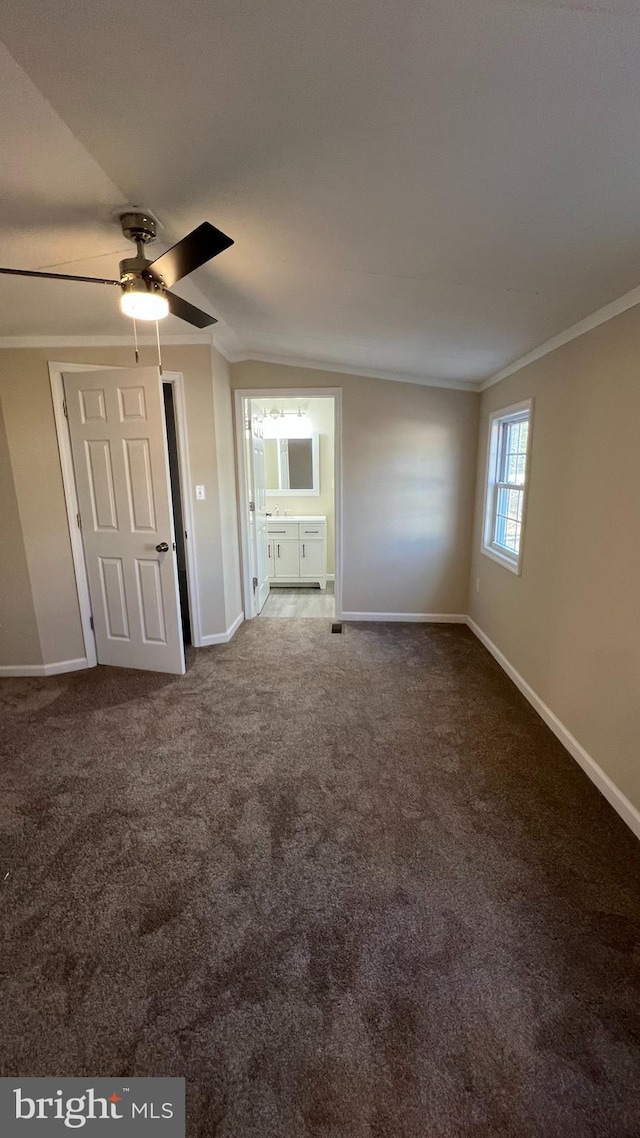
x: 312, y: 559
x: 287, y: 558
x: 271, y: 558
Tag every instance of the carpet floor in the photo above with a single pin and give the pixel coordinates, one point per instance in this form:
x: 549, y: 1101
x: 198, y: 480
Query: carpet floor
x: 347, y: 886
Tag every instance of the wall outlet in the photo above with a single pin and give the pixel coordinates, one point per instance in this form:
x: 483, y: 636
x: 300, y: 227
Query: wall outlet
x: 200, y: 494
x: 477, y: 584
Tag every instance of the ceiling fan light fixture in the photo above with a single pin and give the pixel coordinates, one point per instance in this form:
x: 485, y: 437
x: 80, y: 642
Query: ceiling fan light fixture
x: 142, y: 300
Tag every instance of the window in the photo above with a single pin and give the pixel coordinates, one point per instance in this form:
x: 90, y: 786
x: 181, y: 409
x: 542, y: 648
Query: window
x: 507, y: 470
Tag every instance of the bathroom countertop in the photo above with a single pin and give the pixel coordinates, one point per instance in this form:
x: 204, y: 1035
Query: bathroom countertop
x: 297, y: 517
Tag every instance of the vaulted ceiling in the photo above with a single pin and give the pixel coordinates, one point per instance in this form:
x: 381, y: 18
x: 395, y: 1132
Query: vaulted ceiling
x: 426, y: 189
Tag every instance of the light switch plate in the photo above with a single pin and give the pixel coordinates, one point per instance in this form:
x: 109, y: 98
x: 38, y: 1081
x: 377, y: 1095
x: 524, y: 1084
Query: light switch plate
x: 200, y: 494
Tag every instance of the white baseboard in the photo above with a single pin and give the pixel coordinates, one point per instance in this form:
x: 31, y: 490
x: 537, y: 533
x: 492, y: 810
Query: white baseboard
x: 44, y: 669
x: 222, y: 637
x: 408, y: 617
x: 605, y: 785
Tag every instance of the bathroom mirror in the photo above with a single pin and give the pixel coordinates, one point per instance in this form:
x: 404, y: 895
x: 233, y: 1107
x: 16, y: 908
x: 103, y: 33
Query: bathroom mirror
x: 292, y: 466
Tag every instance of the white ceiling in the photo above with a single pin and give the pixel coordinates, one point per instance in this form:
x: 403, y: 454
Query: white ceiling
x: 428, y: 189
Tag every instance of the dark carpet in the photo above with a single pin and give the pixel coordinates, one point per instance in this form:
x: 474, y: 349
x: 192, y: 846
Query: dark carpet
x: 348, y: 886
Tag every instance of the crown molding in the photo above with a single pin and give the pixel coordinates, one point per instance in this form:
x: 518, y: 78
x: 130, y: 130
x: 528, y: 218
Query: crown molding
x: 98, y: 341
x: 600, y: 316
x: 345, y: 369
x: 116, y: 342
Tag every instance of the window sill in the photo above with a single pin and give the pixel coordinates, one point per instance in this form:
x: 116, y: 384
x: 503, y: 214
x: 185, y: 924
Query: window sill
x: 502, y: 559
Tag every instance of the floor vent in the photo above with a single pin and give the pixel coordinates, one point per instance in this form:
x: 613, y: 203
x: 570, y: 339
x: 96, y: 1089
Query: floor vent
x: 336, y: 627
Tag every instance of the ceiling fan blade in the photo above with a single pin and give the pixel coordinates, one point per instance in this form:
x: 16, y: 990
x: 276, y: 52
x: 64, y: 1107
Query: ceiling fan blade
x: 57, y: 276
x: 194, y: 250
x: 188, y: 312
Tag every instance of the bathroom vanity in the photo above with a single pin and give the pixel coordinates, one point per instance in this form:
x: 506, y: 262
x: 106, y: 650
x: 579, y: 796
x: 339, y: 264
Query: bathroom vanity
x: 297, y: 550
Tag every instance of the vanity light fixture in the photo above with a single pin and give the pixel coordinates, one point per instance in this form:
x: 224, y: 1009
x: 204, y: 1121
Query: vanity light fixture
x: 280, y: 413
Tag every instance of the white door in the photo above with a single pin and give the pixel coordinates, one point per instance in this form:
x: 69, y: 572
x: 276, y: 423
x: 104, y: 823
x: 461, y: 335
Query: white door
x: 258, y: 541
x: 118, y: 441
x: 287, y: 559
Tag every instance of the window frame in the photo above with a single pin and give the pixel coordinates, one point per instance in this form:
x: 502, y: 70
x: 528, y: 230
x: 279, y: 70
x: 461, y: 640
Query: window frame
x: 497, y: 420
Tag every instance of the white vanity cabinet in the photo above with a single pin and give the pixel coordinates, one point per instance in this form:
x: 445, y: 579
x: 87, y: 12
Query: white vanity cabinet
x: 297, y: 550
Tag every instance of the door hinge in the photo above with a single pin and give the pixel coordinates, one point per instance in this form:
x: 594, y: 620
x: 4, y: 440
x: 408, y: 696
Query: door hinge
x: 79, y: 521
x: 174, y: 546
x: 252, y: 507
x: 255, y: 584
x: 91, y: 623
x: 64, y: 408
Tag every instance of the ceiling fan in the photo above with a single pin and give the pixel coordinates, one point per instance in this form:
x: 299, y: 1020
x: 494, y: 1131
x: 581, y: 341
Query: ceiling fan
x: 145, y: 284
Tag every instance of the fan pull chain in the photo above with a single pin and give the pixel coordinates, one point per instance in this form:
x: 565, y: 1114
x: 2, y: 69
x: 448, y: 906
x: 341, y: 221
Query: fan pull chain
x: 135, y: 340
x: 158, y: 343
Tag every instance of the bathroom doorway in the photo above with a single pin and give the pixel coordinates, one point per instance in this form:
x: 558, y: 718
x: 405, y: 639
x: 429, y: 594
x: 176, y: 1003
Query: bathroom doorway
x: 289, y: 469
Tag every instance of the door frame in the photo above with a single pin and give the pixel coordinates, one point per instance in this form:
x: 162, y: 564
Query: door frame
x: 56, y: 372
x: 176, y: 379
x: 240, y: 394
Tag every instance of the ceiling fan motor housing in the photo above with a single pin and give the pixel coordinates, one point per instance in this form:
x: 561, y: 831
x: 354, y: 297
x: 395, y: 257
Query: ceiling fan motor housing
x: 132, y: 268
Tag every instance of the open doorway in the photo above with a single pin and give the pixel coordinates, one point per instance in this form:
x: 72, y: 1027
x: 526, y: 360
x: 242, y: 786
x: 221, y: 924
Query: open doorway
x: 176, y: 502
x: 288, y: 451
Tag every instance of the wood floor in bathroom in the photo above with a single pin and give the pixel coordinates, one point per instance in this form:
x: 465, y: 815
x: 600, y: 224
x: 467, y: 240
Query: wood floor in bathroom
x: 300, y: 602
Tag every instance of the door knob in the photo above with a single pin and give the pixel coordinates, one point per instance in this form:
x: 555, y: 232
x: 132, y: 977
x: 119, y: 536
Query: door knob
x: 162, y: 548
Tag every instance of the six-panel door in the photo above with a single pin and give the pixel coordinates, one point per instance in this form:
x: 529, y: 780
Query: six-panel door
x: 118, y: 441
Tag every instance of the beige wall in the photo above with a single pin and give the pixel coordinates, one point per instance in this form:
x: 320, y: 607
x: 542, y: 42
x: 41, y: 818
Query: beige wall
x: 18, y: 625
x: 225, y: 461
x: 570, y: 624
x: 321, y: 415
x: 28, y: 413
x: 25, y: 396
x: 408, y: 455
